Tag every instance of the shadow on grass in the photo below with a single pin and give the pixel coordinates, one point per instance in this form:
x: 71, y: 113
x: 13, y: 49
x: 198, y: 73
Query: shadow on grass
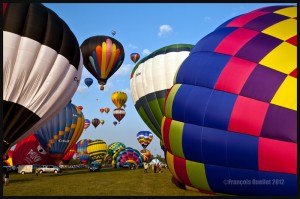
x: 82, y: 171
x: 20, y: 180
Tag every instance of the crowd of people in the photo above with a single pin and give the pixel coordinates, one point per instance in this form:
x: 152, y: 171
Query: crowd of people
x: 156, y: 167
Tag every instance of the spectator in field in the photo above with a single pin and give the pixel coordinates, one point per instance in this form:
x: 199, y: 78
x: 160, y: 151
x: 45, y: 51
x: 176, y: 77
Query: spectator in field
x: 36, y: 171
x: 159, y: 168
x: 145, y: 167
x: 155, y: 167
x: 6, y: 178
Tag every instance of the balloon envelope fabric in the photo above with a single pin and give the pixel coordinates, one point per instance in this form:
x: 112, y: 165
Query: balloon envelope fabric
x: 97, y: 150
x: 82, y: 153
x: 59, y: 134
x: 30, y: 151
x: 231, y: 115
x: 128, y: 155
x: 115, y: 147
x: 42, y: 67
x: 144, y: 138
x: 150, y: 80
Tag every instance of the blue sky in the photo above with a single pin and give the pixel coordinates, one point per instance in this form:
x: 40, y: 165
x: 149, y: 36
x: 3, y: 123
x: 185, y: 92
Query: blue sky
x: 141, y: 28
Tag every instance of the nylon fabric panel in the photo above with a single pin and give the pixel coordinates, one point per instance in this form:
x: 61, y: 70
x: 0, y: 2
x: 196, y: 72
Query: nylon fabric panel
x: 41, y: 24
x: 11, y: 128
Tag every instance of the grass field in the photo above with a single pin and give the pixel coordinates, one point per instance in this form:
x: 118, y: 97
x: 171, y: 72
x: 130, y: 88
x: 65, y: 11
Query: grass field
x: 107, y: 182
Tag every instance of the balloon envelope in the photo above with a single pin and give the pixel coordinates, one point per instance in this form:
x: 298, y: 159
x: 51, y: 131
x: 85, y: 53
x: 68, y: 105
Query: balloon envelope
x: 60, y: 133
x: 82, y: 153
x: 87, y: 123
x: 128, y: 155
x: 42, y: 68
x: 88, y: 81
x: 115, y: 148
x: 95, y: 122
x: 97, y: 150
x: 119, y: 114
x: 119, y: 98
x: 30, y: 151
x: 69, y: 154
x: 8, y: 161
x: 150, y: 80
x: 235, y: 116
x: 102, y: 57
x: 144, y: 138
x: 107, y: 110
x: 146, y: 155
x: 134, y: 57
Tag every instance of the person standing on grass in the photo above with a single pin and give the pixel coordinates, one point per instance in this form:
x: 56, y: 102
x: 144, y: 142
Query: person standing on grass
x: 36, y: 171
x: 155, y: 167
x: 6, y: 178
x: 145, y: 167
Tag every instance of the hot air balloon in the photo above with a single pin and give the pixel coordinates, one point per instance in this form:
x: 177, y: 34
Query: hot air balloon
x: 150, y: 80
x: 128, y: 156
x: 144, y: 138
x: 97, y: 150
x: 146, y: 155
x: 102, y: 57
x: 102, y: 122
x: 119, y: 98
x: 102, y: 110
x: 134, y: 57
x: 107, y: 110
x: 234, y: 118
x: 80, y: 107
x: 42, y: 68
x: 107, y: 159
x: 88, y: 81
x: 95, y: 122
x: 87, y: 123
x: 8, y: 161
x: 119, y: 114
x: 69, y: 154
x: 97, y: 99
x: 113, y: 32
x: 30, y: 151
x: 115, y: 123
x: 82, y: 153
x: 115, y: 148
x: 60, y: 133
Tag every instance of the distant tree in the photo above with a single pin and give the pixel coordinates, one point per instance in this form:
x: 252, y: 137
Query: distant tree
x: 161, y: 159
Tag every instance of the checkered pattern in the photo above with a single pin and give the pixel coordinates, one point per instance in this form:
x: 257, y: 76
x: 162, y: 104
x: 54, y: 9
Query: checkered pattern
x: 236, y: 113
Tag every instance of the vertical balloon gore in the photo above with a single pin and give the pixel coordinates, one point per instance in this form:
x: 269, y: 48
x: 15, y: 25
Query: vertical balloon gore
x: 230, y: 118
x: 34, y: 75
x: 102, y: 57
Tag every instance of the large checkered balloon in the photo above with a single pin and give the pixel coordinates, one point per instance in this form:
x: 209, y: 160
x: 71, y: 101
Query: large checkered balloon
x: 230, y: 121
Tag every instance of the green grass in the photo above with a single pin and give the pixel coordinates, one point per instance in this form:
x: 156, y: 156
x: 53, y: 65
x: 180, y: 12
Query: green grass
x: 107, y: 182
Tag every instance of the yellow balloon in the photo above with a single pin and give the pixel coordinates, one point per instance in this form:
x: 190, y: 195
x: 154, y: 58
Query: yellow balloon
x: 119, y: 98
x: 97, y: 150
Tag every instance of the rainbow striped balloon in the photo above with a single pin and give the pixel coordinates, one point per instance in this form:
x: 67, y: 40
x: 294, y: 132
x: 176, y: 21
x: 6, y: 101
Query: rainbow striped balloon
x: 230, y: 121
x: 134, y: 57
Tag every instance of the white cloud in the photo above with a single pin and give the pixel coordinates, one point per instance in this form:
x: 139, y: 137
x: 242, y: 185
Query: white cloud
x: 127, y: 91
x: 164, y: 30
x: 123, y: 70
x: 108, y: 87
x: 146, y: 52
x: 132, y: 46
